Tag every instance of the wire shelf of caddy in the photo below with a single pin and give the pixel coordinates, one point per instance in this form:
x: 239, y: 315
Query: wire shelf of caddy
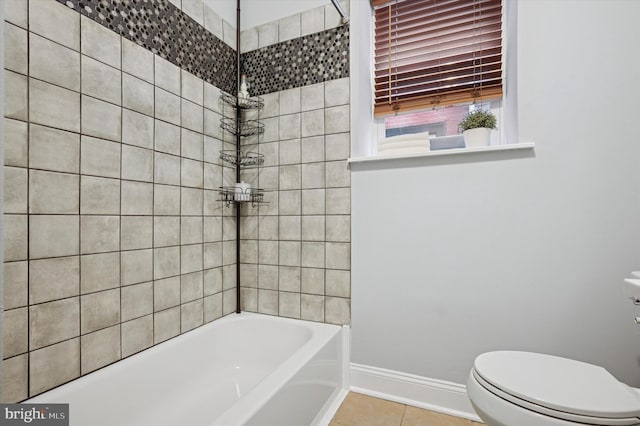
x: 247, y: 159
x: 242, y: 128
x: 253, y: 102
x: 234, y: 194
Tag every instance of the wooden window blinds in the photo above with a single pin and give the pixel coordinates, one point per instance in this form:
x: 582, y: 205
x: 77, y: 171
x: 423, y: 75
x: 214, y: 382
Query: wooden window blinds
x: 436, y: 52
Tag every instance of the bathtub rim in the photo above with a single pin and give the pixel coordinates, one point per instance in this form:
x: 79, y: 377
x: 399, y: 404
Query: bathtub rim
x: 245, y: 408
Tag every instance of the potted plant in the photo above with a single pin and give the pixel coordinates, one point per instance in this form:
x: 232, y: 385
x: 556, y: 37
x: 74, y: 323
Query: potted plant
x: 476, y: 128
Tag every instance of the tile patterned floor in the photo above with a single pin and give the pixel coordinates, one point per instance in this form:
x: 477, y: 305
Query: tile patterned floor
x: 362, y: 410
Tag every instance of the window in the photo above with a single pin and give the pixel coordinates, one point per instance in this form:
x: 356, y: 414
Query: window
x: 435, y: 61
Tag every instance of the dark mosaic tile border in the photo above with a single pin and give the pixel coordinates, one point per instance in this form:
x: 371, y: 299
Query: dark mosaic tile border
x: 165, y: 30
x: 299, y: 62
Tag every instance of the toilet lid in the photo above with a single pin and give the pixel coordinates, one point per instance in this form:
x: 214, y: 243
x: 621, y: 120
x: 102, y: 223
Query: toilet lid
x: 558, y: 383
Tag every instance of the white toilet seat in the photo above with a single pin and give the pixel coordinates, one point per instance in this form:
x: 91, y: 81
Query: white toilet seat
x: 557, y: 388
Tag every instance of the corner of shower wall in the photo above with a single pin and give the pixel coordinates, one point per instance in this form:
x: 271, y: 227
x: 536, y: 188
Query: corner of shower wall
x: 114, y: 236
x: 295, y: 258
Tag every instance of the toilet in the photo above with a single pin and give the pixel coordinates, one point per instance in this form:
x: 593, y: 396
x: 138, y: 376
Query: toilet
x: 509, y: 388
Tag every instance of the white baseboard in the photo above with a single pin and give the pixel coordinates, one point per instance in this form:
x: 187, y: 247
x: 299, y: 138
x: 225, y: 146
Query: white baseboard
x: 435, y: 395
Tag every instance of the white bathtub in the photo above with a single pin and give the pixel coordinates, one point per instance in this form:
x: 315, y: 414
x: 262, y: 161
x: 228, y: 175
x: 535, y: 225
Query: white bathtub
x: 244, y: 369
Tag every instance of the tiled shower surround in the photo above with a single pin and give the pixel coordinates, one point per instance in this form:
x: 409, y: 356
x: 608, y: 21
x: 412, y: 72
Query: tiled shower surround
x: 114, y: 239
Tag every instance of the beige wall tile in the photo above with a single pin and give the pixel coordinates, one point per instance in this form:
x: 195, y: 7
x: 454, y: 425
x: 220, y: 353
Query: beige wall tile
x: 339, y: 228
x: 192, y: 116
x: 290, y: 227
x: 99, y: 272
x: 101, y: 80
x: 312, y: 307
x: 212, y: 281
x: 54, y: 150
x: 137, y: 94
x: 99, y: 234
x: 338, y: 146
x: 312, y: 123
x: 338, y: 201
x: 52, y: 106
x: 191, y: 201
x: 15, y: 237
x: 137, y: 301
x: 313, y: 254
x: 53, y: 322
x: 192, y: 315
x: 338, y: 310
x: 100, y: 42
x: 289, y: 304
x: 313, y: 228
x: 191, y: 258
x: 52, y: 236
x: 53, y: 193
x: 313, y: 281
x: 268, y: 302
x: 16, y: 14
x: 136, y: 232
x: 137, y: 129
x: 167, y: 75
x: 191, y: 173
x: 99, y: 349
x: 56, y: 22
x: 15, y: 190
x: 15, y: 49
x: 14, y: 379
x: 137, y: 335
x: 166, y: 324
x: 15, y: 285
x: 338, y: 283
x: 137, y: 198
x: 137, y: 163
x: 166, y: 262
x: 52, y: 279
x: 167, y: 137
x: 100, y: 157
x: 15, y: 324
x: 137, y: 61
x: 192, y: 86
x: 167, y: 169
x: 228, y: 301
x: 101, y: 119
x: 166, y: 200
x: 336, y: 119
x: 167, y: 106
x: 15, y: 96
x: 54, y: 63
x: 249, y: 299
x: 289, y: 278
x: 166, y: 231
x: 15, y: 143
x: 99, y: 196
x: 191, y: 287
x: 268, y: 277
x: 313, y: 201
x: 191, y: 230
x: 212, y: 306
x: 166, y: 293
x: 53, y: 366
x: 99, y: 310
x: 338, y: 255
x: 136, y: 266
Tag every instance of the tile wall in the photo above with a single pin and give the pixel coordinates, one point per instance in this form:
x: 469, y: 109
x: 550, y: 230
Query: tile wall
x: 114, y: 239
x: 295, y: 255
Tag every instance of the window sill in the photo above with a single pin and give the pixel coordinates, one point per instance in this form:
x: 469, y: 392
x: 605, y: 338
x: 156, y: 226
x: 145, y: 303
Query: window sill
x: 445, y: 152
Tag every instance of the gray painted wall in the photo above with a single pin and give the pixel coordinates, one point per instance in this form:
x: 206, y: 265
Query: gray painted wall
x: 453, y: 257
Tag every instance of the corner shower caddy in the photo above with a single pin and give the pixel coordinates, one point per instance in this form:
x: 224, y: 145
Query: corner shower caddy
x: 240, y: 127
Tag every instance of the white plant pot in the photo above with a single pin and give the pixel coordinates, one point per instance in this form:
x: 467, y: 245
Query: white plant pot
x: 477, y: 137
